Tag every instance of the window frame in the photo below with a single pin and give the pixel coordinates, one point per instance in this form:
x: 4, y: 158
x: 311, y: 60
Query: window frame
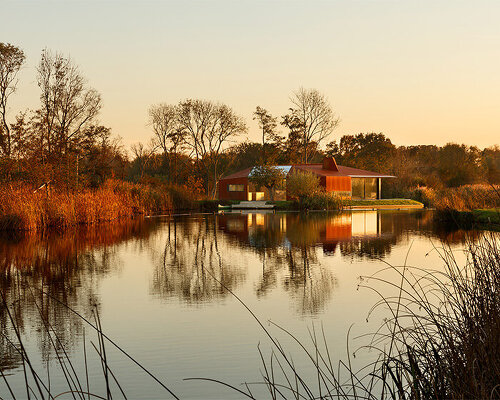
x: 239, y: 185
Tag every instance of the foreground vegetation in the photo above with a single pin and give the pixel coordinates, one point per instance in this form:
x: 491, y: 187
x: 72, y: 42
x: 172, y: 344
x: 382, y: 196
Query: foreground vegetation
x: 25, y: 208
x: 441, y: 340
x: 38, y: 383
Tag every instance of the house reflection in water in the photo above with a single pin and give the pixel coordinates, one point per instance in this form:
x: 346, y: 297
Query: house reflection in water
x: 267, y: 230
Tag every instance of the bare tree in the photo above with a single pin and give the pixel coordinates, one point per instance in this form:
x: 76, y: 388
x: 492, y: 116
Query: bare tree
x: 268, y: 124
x: 11, y: 60
x: 315, y: 116
x: 143, y: 155
x: 68, y: 105
x: 208, y: 126
x: 168, y: 135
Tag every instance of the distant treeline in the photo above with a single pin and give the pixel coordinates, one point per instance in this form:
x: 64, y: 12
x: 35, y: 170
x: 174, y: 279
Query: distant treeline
x: 431, y: 166
x: 195, y: 142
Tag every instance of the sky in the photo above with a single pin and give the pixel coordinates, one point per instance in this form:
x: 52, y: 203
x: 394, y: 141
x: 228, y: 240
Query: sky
x: 421, y: 72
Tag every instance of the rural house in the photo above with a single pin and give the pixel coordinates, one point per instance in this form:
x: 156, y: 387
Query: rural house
x: 350, y: 182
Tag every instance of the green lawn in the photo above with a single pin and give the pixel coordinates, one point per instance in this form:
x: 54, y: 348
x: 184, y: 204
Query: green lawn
x: 385, y: 202
x: 490, y: 216
x: 288, y: 205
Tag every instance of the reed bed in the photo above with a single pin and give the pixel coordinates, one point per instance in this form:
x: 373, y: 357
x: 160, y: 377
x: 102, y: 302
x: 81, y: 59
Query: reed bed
x: 443, y: 339
x: 440, y: 341
x: 24, y: 208
x: 462, y: 198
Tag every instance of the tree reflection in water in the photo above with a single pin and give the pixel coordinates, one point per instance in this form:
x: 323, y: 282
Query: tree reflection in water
x: 293, y: 250
x: 287, y: 247
x: 192, y: 255
x: 309, y: 283
x: 40, y: 274
x: 289, y: 244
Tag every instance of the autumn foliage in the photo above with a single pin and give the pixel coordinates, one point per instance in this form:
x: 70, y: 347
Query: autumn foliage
x: 24, y: 208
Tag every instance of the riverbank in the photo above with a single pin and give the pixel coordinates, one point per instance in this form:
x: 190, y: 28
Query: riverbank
x: 354, y: 204
x: 24, y: 208
x: 481, y: 218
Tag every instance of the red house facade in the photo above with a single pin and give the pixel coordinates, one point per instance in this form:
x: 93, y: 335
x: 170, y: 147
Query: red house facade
x: 349, y: 182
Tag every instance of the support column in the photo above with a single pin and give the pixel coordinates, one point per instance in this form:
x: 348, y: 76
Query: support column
x: 379, y: 194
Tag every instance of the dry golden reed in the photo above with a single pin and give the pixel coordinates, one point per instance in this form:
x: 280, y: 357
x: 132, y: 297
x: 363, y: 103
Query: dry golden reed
x: 25, y: 208
x: 462, y: 198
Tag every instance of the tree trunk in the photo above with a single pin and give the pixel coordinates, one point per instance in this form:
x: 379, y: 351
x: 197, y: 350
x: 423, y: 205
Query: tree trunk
x: 271, y: 193
x: 7, y: 130
x: 214, y: 193
x: 263, y: 147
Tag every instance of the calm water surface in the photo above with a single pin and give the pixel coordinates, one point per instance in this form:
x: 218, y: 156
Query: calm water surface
x: 152, y: 284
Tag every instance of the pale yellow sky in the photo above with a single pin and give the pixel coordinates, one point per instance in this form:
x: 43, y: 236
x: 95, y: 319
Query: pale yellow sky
x: 422, y: 72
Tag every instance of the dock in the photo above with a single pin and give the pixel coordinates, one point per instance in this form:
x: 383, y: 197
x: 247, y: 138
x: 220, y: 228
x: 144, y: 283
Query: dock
x: 252, y: 205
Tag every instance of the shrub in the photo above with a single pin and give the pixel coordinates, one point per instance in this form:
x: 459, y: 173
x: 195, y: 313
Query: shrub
x: 302, y: 184
x: 323, y: 201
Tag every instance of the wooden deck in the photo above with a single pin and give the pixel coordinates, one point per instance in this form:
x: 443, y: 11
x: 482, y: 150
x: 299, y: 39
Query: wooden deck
x: 252, y: 205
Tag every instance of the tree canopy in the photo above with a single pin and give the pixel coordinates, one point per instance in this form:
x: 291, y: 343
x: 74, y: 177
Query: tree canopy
x: 268, y: 176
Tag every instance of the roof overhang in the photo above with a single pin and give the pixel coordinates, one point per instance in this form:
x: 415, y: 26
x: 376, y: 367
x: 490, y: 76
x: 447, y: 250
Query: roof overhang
x: 371, y: 176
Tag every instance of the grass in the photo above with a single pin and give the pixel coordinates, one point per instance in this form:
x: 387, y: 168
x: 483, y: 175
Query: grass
x: 23, y: 207
x: 476, y: 219
x: 286, y: 205
x: 386, y: 202
x: 441, y: 341
x: 443, y: 338
x: 491, y: 216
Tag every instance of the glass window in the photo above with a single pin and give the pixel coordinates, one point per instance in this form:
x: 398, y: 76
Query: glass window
x: 358, y: 188
x: 371, y: 188
x: 235, y: 188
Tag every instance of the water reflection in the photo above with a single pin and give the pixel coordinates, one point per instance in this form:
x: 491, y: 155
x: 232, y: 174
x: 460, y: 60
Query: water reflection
x: 189, y: 259
x: 290, y: 252
x: 370, y: 234
x: 41, y: 274
x: 288, y: 246
x: 285, y: 244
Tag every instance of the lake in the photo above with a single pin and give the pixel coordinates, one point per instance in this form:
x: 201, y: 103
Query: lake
x: 167, y: 291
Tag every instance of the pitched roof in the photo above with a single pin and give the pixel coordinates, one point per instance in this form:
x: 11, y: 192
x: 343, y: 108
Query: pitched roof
x: 318, y: 170
x: 240, y: 174
x: 342, y: 171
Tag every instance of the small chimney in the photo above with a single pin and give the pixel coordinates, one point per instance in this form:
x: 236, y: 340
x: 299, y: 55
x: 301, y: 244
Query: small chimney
x: 330, y: 164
